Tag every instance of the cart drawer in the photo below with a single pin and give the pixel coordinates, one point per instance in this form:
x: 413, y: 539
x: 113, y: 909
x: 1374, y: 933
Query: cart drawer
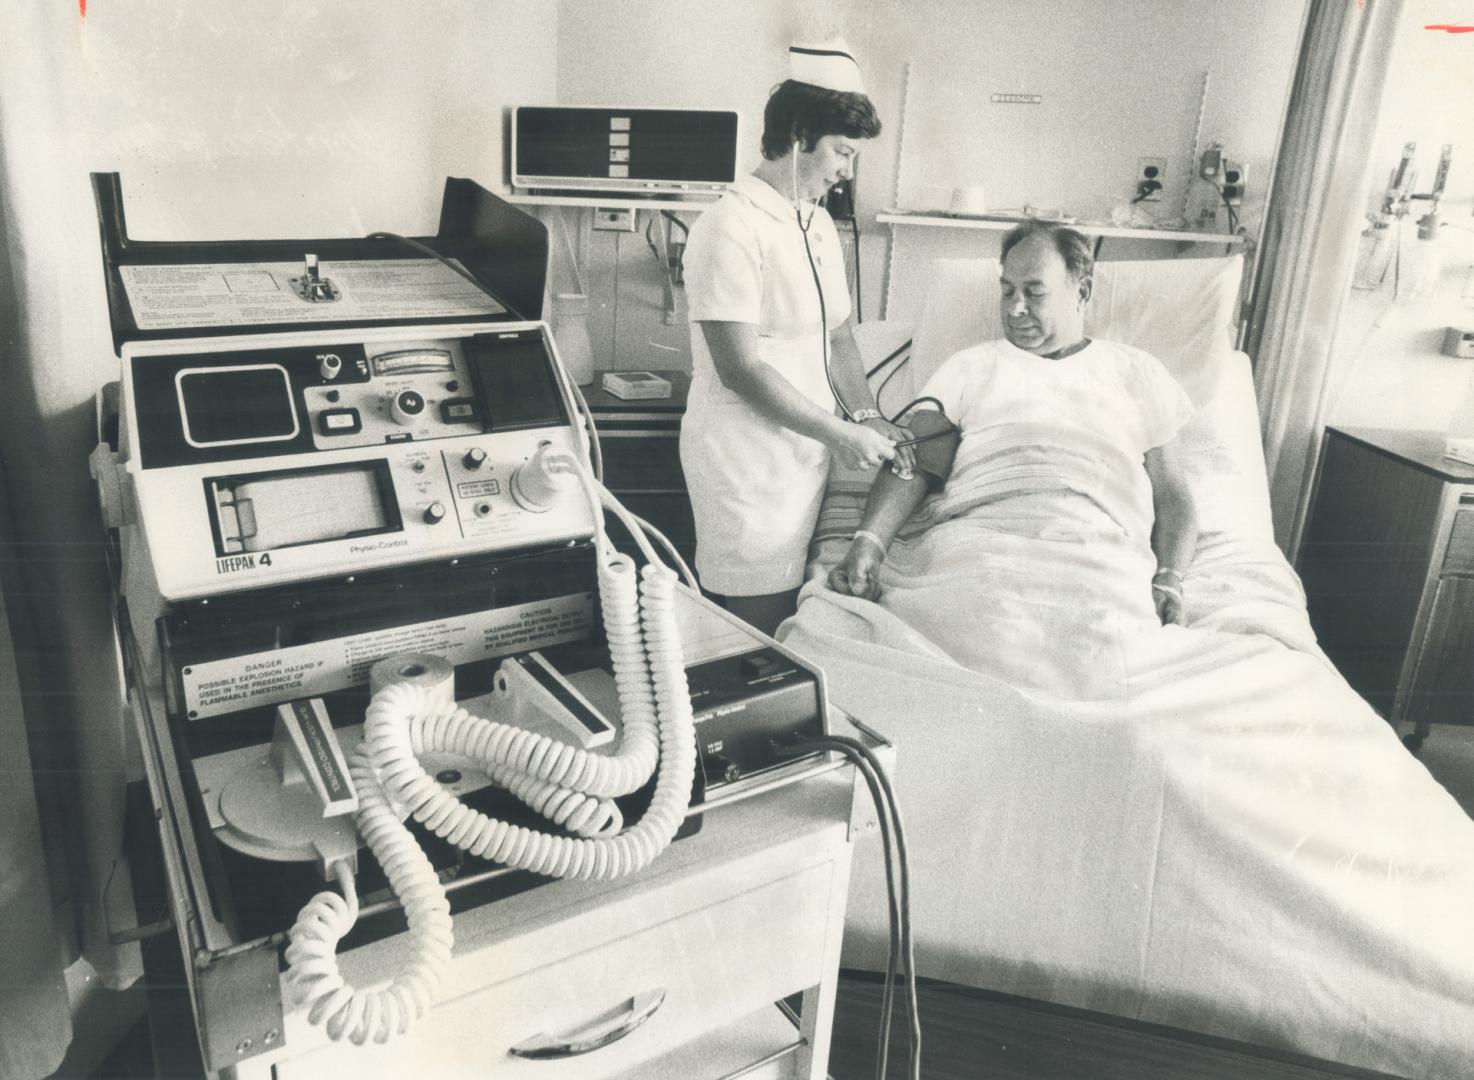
x: 712, y: 965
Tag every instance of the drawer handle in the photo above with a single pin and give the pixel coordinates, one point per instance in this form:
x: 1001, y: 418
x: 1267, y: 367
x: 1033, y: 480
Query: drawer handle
x: 601, y: 1031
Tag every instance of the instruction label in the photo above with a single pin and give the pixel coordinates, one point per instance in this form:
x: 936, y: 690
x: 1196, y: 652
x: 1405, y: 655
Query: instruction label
x: 301, y: 671
x: 707, y: 635
x: 253, y: 294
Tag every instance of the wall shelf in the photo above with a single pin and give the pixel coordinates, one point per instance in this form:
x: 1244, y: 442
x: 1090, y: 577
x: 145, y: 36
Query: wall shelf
x: 613, y: 202
x: 943, y: 221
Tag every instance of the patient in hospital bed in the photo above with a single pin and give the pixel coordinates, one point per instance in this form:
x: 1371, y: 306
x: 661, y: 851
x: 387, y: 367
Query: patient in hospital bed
x: 1143, y: 793
x: 1066, y: 491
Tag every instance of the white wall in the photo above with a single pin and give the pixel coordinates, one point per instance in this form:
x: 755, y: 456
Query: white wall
x: 225, y: 119
x: 1391, y: 372
x: 297, y: 119
x: 654, y: 53
x: 1121, y: 79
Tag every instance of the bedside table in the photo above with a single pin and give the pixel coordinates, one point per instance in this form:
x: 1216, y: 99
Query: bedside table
x: 642, y: 459
x: 1388, y: 568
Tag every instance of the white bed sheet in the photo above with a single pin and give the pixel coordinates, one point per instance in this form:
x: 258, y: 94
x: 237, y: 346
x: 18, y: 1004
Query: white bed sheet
x: 1244, y: 849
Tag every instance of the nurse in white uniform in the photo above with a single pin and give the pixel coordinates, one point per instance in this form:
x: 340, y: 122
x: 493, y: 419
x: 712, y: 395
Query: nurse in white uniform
x: 764, y: 415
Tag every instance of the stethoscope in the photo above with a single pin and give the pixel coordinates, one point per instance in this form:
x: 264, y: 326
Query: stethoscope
x: 803, y: 228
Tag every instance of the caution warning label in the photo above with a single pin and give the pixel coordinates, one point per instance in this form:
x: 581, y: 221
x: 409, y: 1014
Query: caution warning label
x: 268, y: 678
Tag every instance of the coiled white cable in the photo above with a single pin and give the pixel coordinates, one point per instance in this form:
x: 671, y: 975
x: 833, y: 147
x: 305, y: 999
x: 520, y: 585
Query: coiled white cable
x: 570, y: 785
x: 312, y: 966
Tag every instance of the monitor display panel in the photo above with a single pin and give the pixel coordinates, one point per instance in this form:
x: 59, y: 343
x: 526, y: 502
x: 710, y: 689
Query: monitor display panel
x: 623, y: 150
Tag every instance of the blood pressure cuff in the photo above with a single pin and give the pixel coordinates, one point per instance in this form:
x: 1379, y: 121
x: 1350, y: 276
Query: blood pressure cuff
x: 934, y: 455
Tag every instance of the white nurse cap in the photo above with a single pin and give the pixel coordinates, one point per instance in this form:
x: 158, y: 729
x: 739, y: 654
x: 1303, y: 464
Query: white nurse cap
x: 828, y: 64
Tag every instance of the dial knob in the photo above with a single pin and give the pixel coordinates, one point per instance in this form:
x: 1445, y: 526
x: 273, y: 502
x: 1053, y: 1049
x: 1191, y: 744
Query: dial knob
x: 407, y: 407
x: 434, y: 513
x: 329, y: 366
x: 474, y: 458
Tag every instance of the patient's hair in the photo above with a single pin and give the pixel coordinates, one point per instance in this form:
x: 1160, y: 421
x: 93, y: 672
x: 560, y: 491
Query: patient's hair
x: 805, y: 113
x: 1073, y: 248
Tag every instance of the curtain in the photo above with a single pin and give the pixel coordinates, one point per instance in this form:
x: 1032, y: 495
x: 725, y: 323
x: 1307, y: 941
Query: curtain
x: 35, y: 1023
x: 56, y: 353
x: 1310, y: 238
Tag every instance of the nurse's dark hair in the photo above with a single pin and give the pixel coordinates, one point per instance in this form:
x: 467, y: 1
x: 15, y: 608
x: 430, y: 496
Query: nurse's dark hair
x: 1073, y: 248
x: 804, y: 113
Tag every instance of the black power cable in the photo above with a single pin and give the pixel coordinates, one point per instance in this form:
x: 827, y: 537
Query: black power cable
x: 901, y: 951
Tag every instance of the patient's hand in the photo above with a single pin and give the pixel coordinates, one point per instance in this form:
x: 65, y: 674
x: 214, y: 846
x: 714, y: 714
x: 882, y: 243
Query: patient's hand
x: 858, y: 573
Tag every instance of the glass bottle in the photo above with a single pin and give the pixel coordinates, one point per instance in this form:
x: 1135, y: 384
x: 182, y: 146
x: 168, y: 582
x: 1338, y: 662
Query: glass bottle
x: 1375, y: 252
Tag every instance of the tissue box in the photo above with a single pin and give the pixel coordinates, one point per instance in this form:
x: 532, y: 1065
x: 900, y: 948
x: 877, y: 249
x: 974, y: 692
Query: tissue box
x: 631, y: 385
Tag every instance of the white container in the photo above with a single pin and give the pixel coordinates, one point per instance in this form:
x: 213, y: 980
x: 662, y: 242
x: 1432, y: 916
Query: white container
x: 570, y: 327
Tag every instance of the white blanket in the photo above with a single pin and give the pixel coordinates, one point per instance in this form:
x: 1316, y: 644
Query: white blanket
x: 1199, y: 827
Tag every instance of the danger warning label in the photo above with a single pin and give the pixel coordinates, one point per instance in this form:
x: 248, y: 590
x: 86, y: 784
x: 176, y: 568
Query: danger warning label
x: 268, y: 678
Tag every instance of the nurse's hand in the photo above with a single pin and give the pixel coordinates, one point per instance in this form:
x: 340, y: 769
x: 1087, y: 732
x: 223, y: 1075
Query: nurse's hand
x: 905, y: 455
x: 858, y: 573
x: 859, y: 446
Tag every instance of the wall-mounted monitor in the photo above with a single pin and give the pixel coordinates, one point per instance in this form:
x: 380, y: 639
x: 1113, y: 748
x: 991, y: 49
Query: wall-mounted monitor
x: 599, y: 149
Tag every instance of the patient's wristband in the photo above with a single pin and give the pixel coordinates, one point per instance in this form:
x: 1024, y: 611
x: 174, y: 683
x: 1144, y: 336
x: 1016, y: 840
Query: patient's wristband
x: 866, y: 534
x: 1168, y: 581
x: 859, y: 416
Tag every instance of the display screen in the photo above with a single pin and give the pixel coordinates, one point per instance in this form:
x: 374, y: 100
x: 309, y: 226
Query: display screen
x: 228, y: 405
x: 624, y: 145
x: 516, y: 378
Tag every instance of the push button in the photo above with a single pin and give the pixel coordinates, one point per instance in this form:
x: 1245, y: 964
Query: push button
x: 339, y: 421
x: 760, y: 665
x: 460, y: 410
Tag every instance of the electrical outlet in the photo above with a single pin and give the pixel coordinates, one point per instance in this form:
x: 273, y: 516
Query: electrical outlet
x: 614, y: 219
x: 1151, y: 173
x: 1235, y: 178
x: 1210, y: 165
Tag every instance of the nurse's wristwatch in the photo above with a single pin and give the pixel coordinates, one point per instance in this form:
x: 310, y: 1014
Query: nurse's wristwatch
x: 859, y: 416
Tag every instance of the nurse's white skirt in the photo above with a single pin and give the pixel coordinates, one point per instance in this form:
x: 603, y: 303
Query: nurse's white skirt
x: 755, y: 490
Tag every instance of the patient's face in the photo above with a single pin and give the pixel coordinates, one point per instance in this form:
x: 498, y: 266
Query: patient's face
x: 1042, y: 308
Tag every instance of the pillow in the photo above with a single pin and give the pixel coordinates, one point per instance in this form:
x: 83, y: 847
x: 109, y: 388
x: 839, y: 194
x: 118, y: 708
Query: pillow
x: 1179, y: 310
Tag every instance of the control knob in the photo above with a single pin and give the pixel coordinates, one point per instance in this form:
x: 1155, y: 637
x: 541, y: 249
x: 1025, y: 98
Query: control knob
x: 474, y: 458
x: 407, y: 407
x: 434, y: 513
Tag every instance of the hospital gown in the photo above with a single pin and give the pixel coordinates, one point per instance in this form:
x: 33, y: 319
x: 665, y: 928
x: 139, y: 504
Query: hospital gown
x: 1040, y: 542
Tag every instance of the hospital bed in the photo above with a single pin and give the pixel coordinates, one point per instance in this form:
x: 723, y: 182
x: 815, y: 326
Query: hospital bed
x: 1239, y: 846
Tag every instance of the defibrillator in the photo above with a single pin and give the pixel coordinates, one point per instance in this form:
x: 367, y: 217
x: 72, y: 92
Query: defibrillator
x: 382, y: 661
